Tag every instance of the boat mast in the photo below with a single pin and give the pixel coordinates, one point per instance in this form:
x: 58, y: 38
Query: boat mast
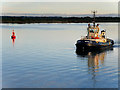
x: 94, y: 17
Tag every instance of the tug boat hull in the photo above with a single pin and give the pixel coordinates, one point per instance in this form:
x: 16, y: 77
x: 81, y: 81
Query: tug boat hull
x: 93, y: 53
x: 93, y: 45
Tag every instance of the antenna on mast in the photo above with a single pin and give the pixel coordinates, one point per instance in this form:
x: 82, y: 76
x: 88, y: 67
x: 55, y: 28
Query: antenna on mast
x: 94, y: 17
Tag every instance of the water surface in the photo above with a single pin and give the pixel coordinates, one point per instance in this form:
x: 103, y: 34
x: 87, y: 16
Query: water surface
x: 43, y: 56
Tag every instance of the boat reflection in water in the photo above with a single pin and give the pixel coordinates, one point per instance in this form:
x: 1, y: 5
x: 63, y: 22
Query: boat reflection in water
x: 95, y: 60
x: 94, y: 57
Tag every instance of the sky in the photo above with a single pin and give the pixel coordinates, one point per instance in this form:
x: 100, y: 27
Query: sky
x: 66, y: 8
x: 60, y: 0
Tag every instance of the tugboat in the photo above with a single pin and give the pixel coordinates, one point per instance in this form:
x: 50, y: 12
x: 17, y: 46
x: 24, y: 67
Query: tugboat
x: 94, y: 40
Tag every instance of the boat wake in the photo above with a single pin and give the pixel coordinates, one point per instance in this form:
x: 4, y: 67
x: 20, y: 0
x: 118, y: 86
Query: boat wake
x: 116, y: 46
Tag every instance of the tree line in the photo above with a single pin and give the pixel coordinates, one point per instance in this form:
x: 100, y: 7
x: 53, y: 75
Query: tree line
x: 32, y: 19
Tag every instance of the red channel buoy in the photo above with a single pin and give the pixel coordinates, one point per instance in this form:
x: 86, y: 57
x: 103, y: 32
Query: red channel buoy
x: 13, y: 35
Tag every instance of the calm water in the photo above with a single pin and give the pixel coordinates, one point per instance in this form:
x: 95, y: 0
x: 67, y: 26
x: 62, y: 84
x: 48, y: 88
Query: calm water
x: 43, y: 56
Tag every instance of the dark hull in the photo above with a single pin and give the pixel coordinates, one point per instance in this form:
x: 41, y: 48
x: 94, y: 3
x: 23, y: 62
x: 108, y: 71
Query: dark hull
x: 85, y: 53
x: 87, y: 45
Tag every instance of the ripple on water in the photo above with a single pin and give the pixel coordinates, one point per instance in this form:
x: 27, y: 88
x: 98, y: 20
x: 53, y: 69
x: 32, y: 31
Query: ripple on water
x: 44, y: 58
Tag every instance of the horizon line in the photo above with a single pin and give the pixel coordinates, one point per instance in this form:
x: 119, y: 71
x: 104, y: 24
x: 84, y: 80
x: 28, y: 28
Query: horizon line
x: 56, y: 14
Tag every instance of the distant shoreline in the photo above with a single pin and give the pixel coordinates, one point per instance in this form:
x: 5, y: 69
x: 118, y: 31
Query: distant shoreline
x: 31, y: 19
